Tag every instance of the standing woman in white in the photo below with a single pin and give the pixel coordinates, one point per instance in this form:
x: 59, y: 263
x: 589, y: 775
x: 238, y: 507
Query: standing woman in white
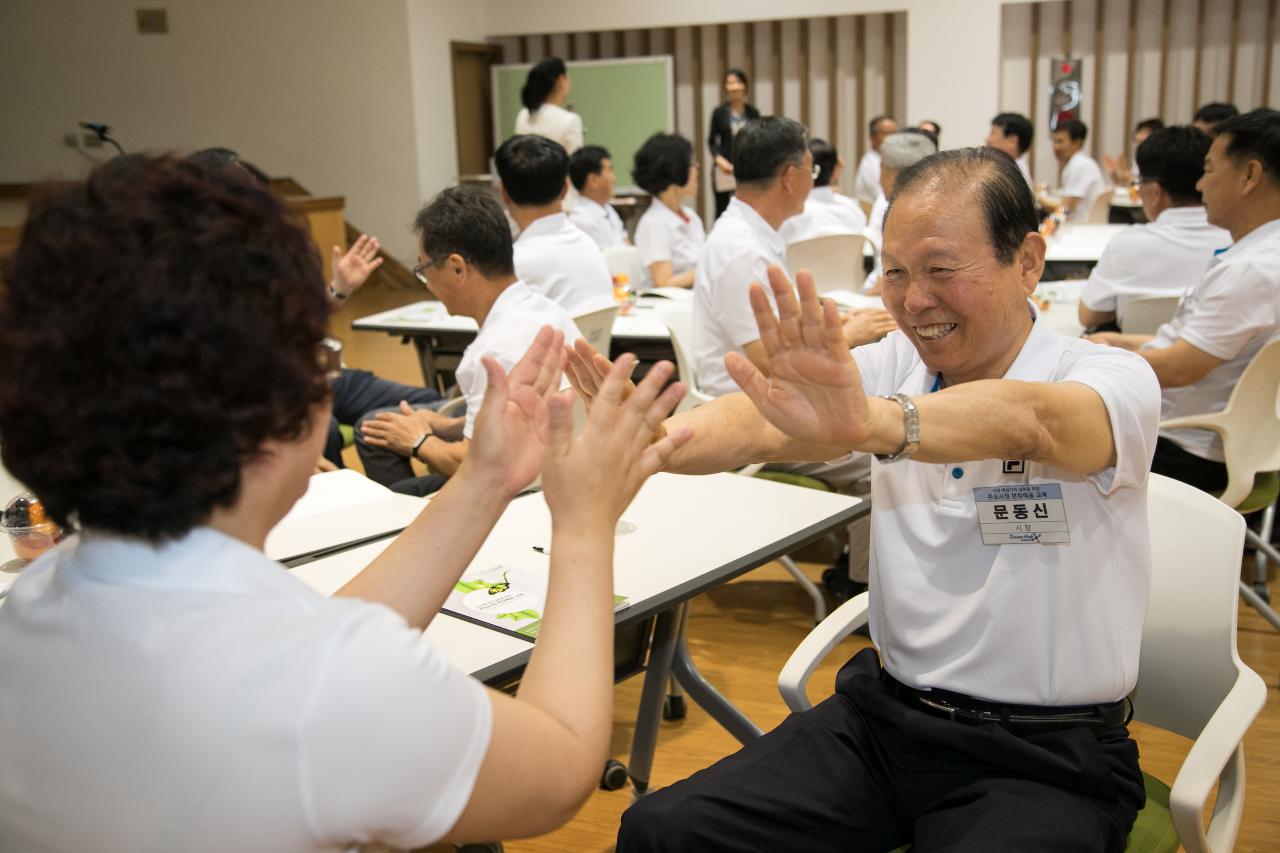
x: 545, y: 92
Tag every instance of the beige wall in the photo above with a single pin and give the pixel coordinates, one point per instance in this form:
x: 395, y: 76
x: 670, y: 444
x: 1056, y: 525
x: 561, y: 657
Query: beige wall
x: 952, y: 46
x: 350, y: 99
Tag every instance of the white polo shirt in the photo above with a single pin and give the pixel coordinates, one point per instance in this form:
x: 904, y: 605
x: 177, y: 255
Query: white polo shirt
x: 1231, y: 314
x: 740, y: 250
x: 598, y: 221
x: 554, y: 258
x: 553, y: 122
x: 1082, y: 178
x: 1163, y: 258
x: 664, y: 235
x: 876, y: 226
x: 826, y: 213
x: 1025, y: 170
x: 506, y: 333
x: 1033, y: 624
x: 866, y: 184
x: 194, y: 696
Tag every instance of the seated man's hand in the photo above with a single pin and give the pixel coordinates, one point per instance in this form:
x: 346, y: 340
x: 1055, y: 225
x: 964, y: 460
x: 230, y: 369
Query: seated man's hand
x: 399, y: 431
x: 587, y: 370
x: 323, y: 466
x: 590, y: 479
x: 866, y: 326
x: 814, y: 390
x: 510, y: 433
x: 352, y: 269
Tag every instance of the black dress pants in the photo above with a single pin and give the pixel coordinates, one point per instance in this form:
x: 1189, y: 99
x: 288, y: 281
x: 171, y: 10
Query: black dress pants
x: 1172, y: 461
x: 862, y: 771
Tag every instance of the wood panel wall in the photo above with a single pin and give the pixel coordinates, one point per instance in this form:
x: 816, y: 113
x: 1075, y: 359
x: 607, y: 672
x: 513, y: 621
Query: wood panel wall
x: 1141, y: 59
x: 831, y: 73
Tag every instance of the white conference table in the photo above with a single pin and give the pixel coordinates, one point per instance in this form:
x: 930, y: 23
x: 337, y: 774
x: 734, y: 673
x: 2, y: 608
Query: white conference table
x: 686, y: 535
x: 1083, y: 243
x: 440, y: 337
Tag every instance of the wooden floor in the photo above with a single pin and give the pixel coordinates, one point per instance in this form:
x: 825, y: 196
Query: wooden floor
x: 741, y: 634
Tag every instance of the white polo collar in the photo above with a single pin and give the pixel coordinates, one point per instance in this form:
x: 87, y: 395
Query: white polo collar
x: 762, y: 229
x: 544, y: 226
x: 1268, y: 232
x: 1192, y: 215
x: 823, y: 194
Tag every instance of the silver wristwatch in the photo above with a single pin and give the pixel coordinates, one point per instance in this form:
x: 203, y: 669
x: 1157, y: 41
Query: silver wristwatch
x: 911, y: 429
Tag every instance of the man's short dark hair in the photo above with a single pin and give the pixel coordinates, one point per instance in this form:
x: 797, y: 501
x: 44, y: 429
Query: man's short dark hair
x: 875, y: 122
x: 157, y: 328
x: 467, y: 221
x: 824, y: 157
x: 1174, y: 158
x: 1215, y: 112
x: 1151, y: 125
x: 1016, y: 124
x: 764, y: 146
x: 585, y: 162
x: 1075, y: 129
x: 1254, y: 136
x: 1008, y: 205
x: 532, y: 169
x: 663, y: 161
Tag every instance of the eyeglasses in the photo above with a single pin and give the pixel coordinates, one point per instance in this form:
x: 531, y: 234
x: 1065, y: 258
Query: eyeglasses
x: 331, y: 358
x: 420, y: 271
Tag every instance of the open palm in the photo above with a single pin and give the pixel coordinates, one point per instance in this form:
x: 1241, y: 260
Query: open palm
x: 511, y: 429
x: 813, y: 392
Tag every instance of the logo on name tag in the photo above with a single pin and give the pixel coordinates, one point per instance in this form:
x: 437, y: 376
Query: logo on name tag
x: 1015, y: 466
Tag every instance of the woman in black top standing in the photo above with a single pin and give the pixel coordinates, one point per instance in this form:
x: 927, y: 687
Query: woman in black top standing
x: 726, y: 121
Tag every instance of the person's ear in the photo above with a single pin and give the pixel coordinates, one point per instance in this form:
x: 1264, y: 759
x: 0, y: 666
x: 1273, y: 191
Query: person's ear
x: 564, y: 190
x: 1251, y: 176
x: 1030, y: 260
x: 506, y: 199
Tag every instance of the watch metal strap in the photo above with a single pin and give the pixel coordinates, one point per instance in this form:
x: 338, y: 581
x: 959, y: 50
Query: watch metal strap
x: 911, y: 430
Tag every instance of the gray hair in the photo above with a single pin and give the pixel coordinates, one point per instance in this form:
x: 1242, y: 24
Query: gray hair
x: 905, y: 148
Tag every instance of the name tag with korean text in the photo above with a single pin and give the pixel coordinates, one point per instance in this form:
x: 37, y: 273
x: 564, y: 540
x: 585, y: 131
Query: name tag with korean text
x: 1023, y: 514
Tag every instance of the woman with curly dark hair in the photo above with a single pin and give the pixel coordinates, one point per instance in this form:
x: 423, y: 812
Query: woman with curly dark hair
x: 163, y: 387
x: 669, y: 235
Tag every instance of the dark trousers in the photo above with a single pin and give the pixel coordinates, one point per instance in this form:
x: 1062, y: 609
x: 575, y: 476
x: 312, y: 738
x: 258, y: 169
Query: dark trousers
x: 390, y: 468
x: 862, y: 771
x: 1172, y: 461
x: 358, y: 392
x: 722, y: 202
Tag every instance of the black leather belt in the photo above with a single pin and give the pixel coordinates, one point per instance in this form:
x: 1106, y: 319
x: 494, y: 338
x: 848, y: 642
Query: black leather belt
x: 1020, y: 720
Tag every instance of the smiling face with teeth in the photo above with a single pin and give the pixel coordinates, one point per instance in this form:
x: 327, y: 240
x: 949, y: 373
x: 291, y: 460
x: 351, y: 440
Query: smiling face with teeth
x: 965, y: 311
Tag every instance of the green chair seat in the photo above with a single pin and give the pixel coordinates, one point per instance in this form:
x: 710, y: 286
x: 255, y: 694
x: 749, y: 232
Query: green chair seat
x: 1153, y: 830
x: 1266, y: 488
x: 348, y: 434
x: 794, y: 480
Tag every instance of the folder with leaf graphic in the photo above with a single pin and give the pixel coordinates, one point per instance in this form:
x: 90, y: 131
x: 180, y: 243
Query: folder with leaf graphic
x: 506, y: 598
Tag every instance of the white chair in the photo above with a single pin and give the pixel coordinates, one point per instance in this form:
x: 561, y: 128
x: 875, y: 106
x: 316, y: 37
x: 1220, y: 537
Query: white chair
x: 597, y: 327
x: 1191, y: 680
x: 1250, y: 430
x: 679, y: 319
x: 625, y: 259
x: 678, y: 316
x: 1146, y: 314
x: 1100, y: 210
x: 836, y: 261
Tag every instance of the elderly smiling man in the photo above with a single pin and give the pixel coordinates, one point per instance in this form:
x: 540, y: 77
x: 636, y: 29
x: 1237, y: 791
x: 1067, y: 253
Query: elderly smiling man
x: 1010, y: 561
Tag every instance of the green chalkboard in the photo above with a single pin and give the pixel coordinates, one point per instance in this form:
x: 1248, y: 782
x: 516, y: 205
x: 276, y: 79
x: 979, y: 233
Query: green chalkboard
x: 622, y: 103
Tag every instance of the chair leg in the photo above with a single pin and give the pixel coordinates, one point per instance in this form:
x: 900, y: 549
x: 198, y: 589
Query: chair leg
x: 1256, y: 602
x: 1260, y: 556
x: 819, y: 603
